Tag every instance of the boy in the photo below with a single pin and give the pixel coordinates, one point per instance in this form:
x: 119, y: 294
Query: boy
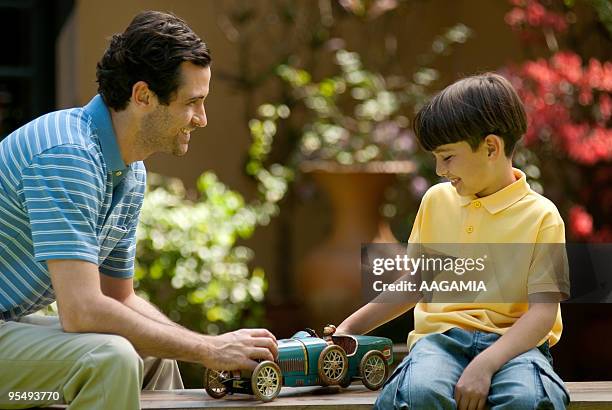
x: 472, y: 355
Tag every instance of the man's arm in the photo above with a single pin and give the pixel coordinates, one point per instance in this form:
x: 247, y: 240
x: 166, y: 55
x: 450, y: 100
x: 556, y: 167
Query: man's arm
x: 83, y: 307
x: 473, y: 386
x: 122, y: 290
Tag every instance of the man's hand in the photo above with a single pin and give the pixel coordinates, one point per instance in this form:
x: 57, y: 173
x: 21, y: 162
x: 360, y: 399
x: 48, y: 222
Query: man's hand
x: 472, y: 389
x: 241, y: 349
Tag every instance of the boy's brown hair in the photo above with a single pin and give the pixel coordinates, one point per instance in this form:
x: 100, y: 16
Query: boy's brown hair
x: 469, y: 110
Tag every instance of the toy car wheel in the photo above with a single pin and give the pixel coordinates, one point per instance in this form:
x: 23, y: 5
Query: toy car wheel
x: 266, y: 381
x: 373, y: 369
x: 333, y: 365
x: 346, y: 382
x: 213, y: 383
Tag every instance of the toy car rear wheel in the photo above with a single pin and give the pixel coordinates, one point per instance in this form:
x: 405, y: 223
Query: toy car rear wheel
x: 266, y: 381
x: 346, y: 382
x: 373, y: 369
x: 213, y: 382
x: 332, y: 365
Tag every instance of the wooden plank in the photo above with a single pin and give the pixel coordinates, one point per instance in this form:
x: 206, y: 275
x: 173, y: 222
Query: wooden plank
x: 585, y: 396
x: 590, y: 395
x: 312, y: 398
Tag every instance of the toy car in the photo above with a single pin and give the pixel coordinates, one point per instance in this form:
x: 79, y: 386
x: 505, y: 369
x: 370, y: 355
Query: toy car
x: 308, y: 360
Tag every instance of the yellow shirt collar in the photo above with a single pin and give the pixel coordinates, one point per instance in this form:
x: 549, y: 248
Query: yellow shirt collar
x: 502, y: 199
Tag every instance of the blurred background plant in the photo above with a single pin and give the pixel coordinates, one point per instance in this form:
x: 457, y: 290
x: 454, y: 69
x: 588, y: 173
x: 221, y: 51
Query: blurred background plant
x: 354, y: 116
x: 306, y: 96
x: 566, y: 84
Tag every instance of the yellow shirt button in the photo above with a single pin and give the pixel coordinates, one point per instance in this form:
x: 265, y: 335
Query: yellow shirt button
x: 118, y: 173
x: 477, y: 204
x: 470, y: 229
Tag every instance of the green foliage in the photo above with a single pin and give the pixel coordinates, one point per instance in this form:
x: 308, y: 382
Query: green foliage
x: 604, y: 12
x: 357, y: 115
x: 354, y: 116
x: 189, y: 262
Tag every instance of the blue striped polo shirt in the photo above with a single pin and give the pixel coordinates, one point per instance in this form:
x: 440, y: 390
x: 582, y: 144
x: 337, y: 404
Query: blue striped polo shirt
x: 65, y: 193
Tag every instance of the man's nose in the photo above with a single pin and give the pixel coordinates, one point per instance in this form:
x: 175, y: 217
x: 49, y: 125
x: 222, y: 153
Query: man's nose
x: 200, y: 120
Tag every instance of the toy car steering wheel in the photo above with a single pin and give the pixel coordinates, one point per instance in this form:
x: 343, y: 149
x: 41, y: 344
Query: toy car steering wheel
x: 311, y: 332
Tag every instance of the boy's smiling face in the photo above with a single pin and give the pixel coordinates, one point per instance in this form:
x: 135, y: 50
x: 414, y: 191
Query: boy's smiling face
x: 471, y: 172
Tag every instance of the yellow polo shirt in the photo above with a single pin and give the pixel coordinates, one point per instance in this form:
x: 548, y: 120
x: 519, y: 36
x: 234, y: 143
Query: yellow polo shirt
x: 513, y: 215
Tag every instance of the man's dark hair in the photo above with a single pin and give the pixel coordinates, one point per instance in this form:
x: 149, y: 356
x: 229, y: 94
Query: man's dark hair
x: 151, y: 49
x: 469, y: 110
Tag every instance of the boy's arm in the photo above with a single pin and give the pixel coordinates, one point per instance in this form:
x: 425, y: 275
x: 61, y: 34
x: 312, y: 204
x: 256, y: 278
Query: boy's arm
x: 473, y: 386
x: 385, y: 307
x: 371, y: 316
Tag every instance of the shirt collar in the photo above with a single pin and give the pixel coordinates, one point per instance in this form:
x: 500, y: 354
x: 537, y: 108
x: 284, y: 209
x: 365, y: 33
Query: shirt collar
x: 502, y: 199
x: 108, y: 141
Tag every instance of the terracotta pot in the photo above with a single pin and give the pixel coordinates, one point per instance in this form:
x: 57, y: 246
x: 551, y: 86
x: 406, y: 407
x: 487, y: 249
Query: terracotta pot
x: 329, y: 278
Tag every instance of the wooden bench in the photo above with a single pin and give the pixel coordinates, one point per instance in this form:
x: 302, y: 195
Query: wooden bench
x: 585, y: 395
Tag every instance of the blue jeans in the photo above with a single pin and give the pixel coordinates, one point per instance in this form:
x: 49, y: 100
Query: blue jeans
x: 426, y: 378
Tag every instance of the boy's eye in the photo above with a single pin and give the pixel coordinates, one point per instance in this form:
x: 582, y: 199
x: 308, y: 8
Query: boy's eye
x: 447, y: 158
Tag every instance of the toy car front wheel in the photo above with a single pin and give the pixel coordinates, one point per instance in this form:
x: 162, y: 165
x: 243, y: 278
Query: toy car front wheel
x: 266, y: 381
x: 374, y: 369
x: 333, y: 365
x: 213, y: 383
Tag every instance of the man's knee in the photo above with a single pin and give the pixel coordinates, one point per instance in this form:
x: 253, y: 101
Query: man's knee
x: 118, y: 353
x: 109, y: 374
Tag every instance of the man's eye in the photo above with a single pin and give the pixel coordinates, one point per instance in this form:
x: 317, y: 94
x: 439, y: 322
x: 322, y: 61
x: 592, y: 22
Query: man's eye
x: 447, y: 158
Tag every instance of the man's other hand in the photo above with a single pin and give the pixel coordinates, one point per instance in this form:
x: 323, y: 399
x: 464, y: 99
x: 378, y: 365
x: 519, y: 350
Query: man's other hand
x: 241, y: 349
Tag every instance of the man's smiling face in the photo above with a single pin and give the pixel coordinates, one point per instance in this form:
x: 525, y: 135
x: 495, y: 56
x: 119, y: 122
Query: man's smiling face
x: 168, y: 128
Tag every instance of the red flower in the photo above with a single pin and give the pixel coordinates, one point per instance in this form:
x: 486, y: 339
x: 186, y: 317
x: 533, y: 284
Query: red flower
x: 551, y: 91
x: 568, y: 65
x: 605, y: 107
x: 535, y: 13
x: 515, y: 17
x: 581, y: 223
x: 527, y: 15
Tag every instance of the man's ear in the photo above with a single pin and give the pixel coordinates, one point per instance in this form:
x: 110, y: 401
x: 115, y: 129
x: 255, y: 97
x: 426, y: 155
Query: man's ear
x: 142, y: 96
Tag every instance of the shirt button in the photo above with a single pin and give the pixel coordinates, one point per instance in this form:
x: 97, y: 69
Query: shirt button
x: 470, y: 229
x: 477, y: 204
x: 118, y: 173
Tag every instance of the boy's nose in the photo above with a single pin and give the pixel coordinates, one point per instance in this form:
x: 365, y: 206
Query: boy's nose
x: 440, y: 171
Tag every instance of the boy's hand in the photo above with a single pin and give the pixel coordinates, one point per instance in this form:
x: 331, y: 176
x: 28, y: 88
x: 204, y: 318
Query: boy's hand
x: 472, y: 389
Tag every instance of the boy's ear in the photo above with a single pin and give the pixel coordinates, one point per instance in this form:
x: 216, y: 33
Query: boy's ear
x: 494, y: 144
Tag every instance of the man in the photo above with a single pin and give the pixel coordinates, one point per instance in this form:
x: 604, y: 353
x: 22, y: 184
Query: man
x: 71, y: 188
